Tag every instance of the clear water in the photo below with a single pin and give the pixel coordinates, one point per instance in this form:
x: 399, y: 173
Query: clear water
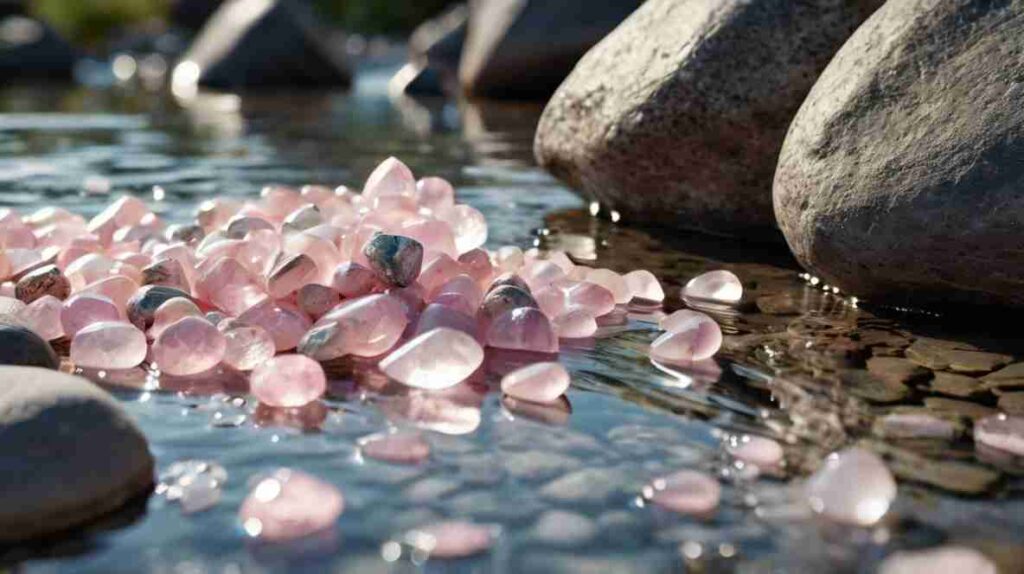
x: 626, y: 421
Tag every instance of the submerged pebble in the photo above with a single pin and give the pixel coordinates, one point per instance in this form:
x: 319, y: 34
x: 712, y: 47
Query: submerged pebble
x: 290, y: 504
x: 853, y: 486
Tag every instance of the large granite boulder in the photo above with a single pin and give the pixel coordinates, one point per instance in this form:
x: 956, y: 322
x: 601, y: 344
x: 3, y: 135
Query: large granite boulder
x: 68, y: 451
x: 902, y: 177
x: 522, y: 49
x: 262, y: 43
x: 676, y: 118
x: 31, y: 50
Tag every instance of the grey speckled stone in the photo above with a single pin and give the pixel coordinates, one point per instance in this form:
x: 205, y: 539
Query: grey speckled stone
x: 395, y: 259
x: 900, y: 179
x: 19, y: 345
x: 146, y: 300
x: 676, y: 117
x: 57, y: 435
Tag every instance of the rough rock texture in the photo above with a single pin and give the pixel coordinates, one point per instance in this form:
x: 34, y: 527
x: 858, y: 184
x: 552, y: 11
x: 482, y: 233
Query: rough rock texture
x: 677, y: 117
x: 902, y: 177
x: 19, y: 345
x: 249, y: 43
x: 525, y: 48
x: 59, y: 435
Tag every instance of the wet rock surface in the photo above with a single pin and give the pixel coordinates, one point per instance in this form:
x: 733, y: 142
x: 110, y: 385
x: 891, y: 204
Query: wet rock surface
x: 915, y: 86
x: 19, y: 345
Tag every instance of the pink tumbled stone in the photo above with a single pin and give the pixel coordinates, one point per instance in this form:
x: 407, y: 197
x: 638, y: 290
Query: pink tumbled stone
x: 124, y: 212
x: 455, y: 302
x: 187, y: 347
x: 435, y: 194
x: 117, y: 288
x: 371, y: 325
x: 722, y: 286
x: 523, y: 329
x: 509, y: 259
x: 323, y: 252
x: 291, y: 274
x: 288, y: 505
x: 288, y: 381
x: 452, y: 539
x: 477, y: 264
x: 949, y: 559
x: 43, y: 317
x: 87, y: 269
x: 685, y: 492
x: 247, y: 347
x: 391, y: 177
x: 551, y: 300
x: 81, y: 311
x: 285, y: 322
x: 438, y: 272
x: 682, y: 320
x: 539, y: 382
x: 540, y: 274
x: 590, y: 296
x: 759, y: 451
x: 436, y: 236
x: 438, y: 315
x: 468, y: 225
x: 1001, y: 432
x: 230, y: 287
x: 171, y: 311
x: 613, y: 282
x: 437, y: 359
x: 353, y: 280
x: 575, y: 323
x: 316, y: 300
x: 398, y: 448
x: 644, y: 285
x: 108, y: 345
x: 696, y: 339
x: 854, y: 486
x: 463, y: 285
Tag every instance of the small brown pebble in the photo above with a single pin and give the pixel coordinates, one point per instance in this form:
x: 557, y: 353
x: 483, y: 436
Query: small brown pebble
x: 964, y: 408
x: 897, y: 370
x: 48, y: 280
x: 956, y: 385
x: 1012, y: 403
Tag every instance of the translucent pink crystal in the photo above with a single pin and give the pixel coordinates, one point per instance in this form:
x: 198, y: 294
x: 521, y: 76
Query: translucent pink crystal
x: 81, y: 311
x: 469, y: 226
x: 853, y: 486
x: 509, y: 259
x: 613, y: 282
x: 452, y: 539
x: 523, y: 329
x: 722, y: 286
x: 169, y: 272
x: 398, y: 448
x: 391, y: 177
x: 477, y: 264
x: 323, y: 252
x: 462, y: 285
x: 694, y: 337
x: 366, y: 327
x: 353, y: 280
x: 762, y: 452
x: 1001, y: 432
x: 170, y: 312
x: 597, y: 300
x: 438, y: 272
x: 435, y: 236
x: 435, y: 194
x: 288, y: 505
x: 187, y: 347
x: 439, y: 315
x: 43, y: 317
x: 540, y: 274
x: 108, y: 345
x: 288, y: 381
x: 284, y: 321
x: 644, y: 285
x: 575, y: 323
x: 539, y: 382
x: 213, y: 213
x: 125, y: 211
x: 117, y: 288
x: 437, y: 359
x: 949, y: 559
x: 291, y: 274
x: 685, y: 492
x: 230, y: 287
x: 247, y: 347
x: 551, y: 300
x: 87, y: 269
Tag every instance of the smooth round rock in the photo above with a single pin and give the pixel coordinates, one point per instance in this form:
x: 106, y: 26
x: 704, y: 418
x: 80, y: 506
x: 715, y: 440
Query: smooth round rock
x: 143, y: 304
x: 57, y: 433
x: 437, y: 359
x: 697, y: 339
x: 575, y: 323
x: 853, y: 486
x: 108, y: 345
x: 594, y: 298
x: 20, y: 345
x: 43, y: 317
x: 685, y: 492
x: 942, y: 560
x: 288, y: 381
x: 1001, y: 432
x: 720, y: 286
x: 452, y: 539
x: 247, y: 347
x: 644, y: 285
x: 188, y: 346
x: 398, y: 448
x: 288, y: 505
x: 762, y: 452
x: 523, y: 329
x: 83, y: 310
x: 503, y: 299
x: 539, y: 382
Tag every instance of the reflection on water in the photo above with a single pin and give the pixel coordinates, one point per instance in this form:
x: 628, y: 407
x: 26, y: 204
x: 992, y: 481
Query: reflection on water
x: 564, y: 480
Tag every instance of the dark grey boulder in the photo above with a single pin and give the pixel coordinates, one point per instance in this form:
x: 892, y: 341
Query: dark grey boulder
x: 902, y: 177
x: 19, y: 345
x: 523, y: 49
x: 68, y: 451
x: 32, y: 50
x: 262, y: 43
x: 676, y: 118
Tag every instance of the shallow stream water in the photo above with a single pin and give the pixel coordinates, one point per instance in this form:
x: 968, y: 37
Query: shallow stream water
x: 801, y: 364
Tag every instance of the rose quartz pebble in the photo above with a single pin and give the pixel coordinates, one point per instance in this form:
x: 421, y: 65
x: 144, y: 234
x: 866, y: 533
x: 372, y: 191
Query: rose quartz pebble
x: 437, y: 359
x: 290, y: 274
x: 463, y: 285
x: 575, y: 323
x: 435, y: 236
x: 1001, y: 432
x: 213, y: 213
x: 365, y: 327
x: 551, y: 300
x: 288, y: 381
x: 83, y: 310
x: 695, y: 339
x: 853, y: 486
x: 540, y: 274
x: 539, y: 382
x: 277, y: 201
x: 285, y: 322
x: 5, y: 266
x: 391, y: 177
x: 189, y: 346
x: 590, y: 296
x: 437, y: 273
x: 230, y: 287
x: 759, y: 451
x: 723, y: 286
x: 644, y: 285
x: 524, y: 329
x: 435, y: 193
x: 108, y: 345
x: 288, y: 505
x: 398, y: 448
x: 439, y: 315
x: 124, y: 212
x: 87, y: 269
x: 316, y: 300
x: 411, y: 299
x: 949, y: 559
x: 468, y: 225
x: 685, y: 492
x: 509, y: 259
x: 247, y: 347
x: 477, y: 264
x: 352, y: 280
x: 43, y: 317
x: 169, y: 272
x: 323, y: 252
x: 170, y: 312
x: 117, y: 288
x: 451, y: 539
x: 613, y: 282
x: 682, y: 320
x: 455, y: 302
